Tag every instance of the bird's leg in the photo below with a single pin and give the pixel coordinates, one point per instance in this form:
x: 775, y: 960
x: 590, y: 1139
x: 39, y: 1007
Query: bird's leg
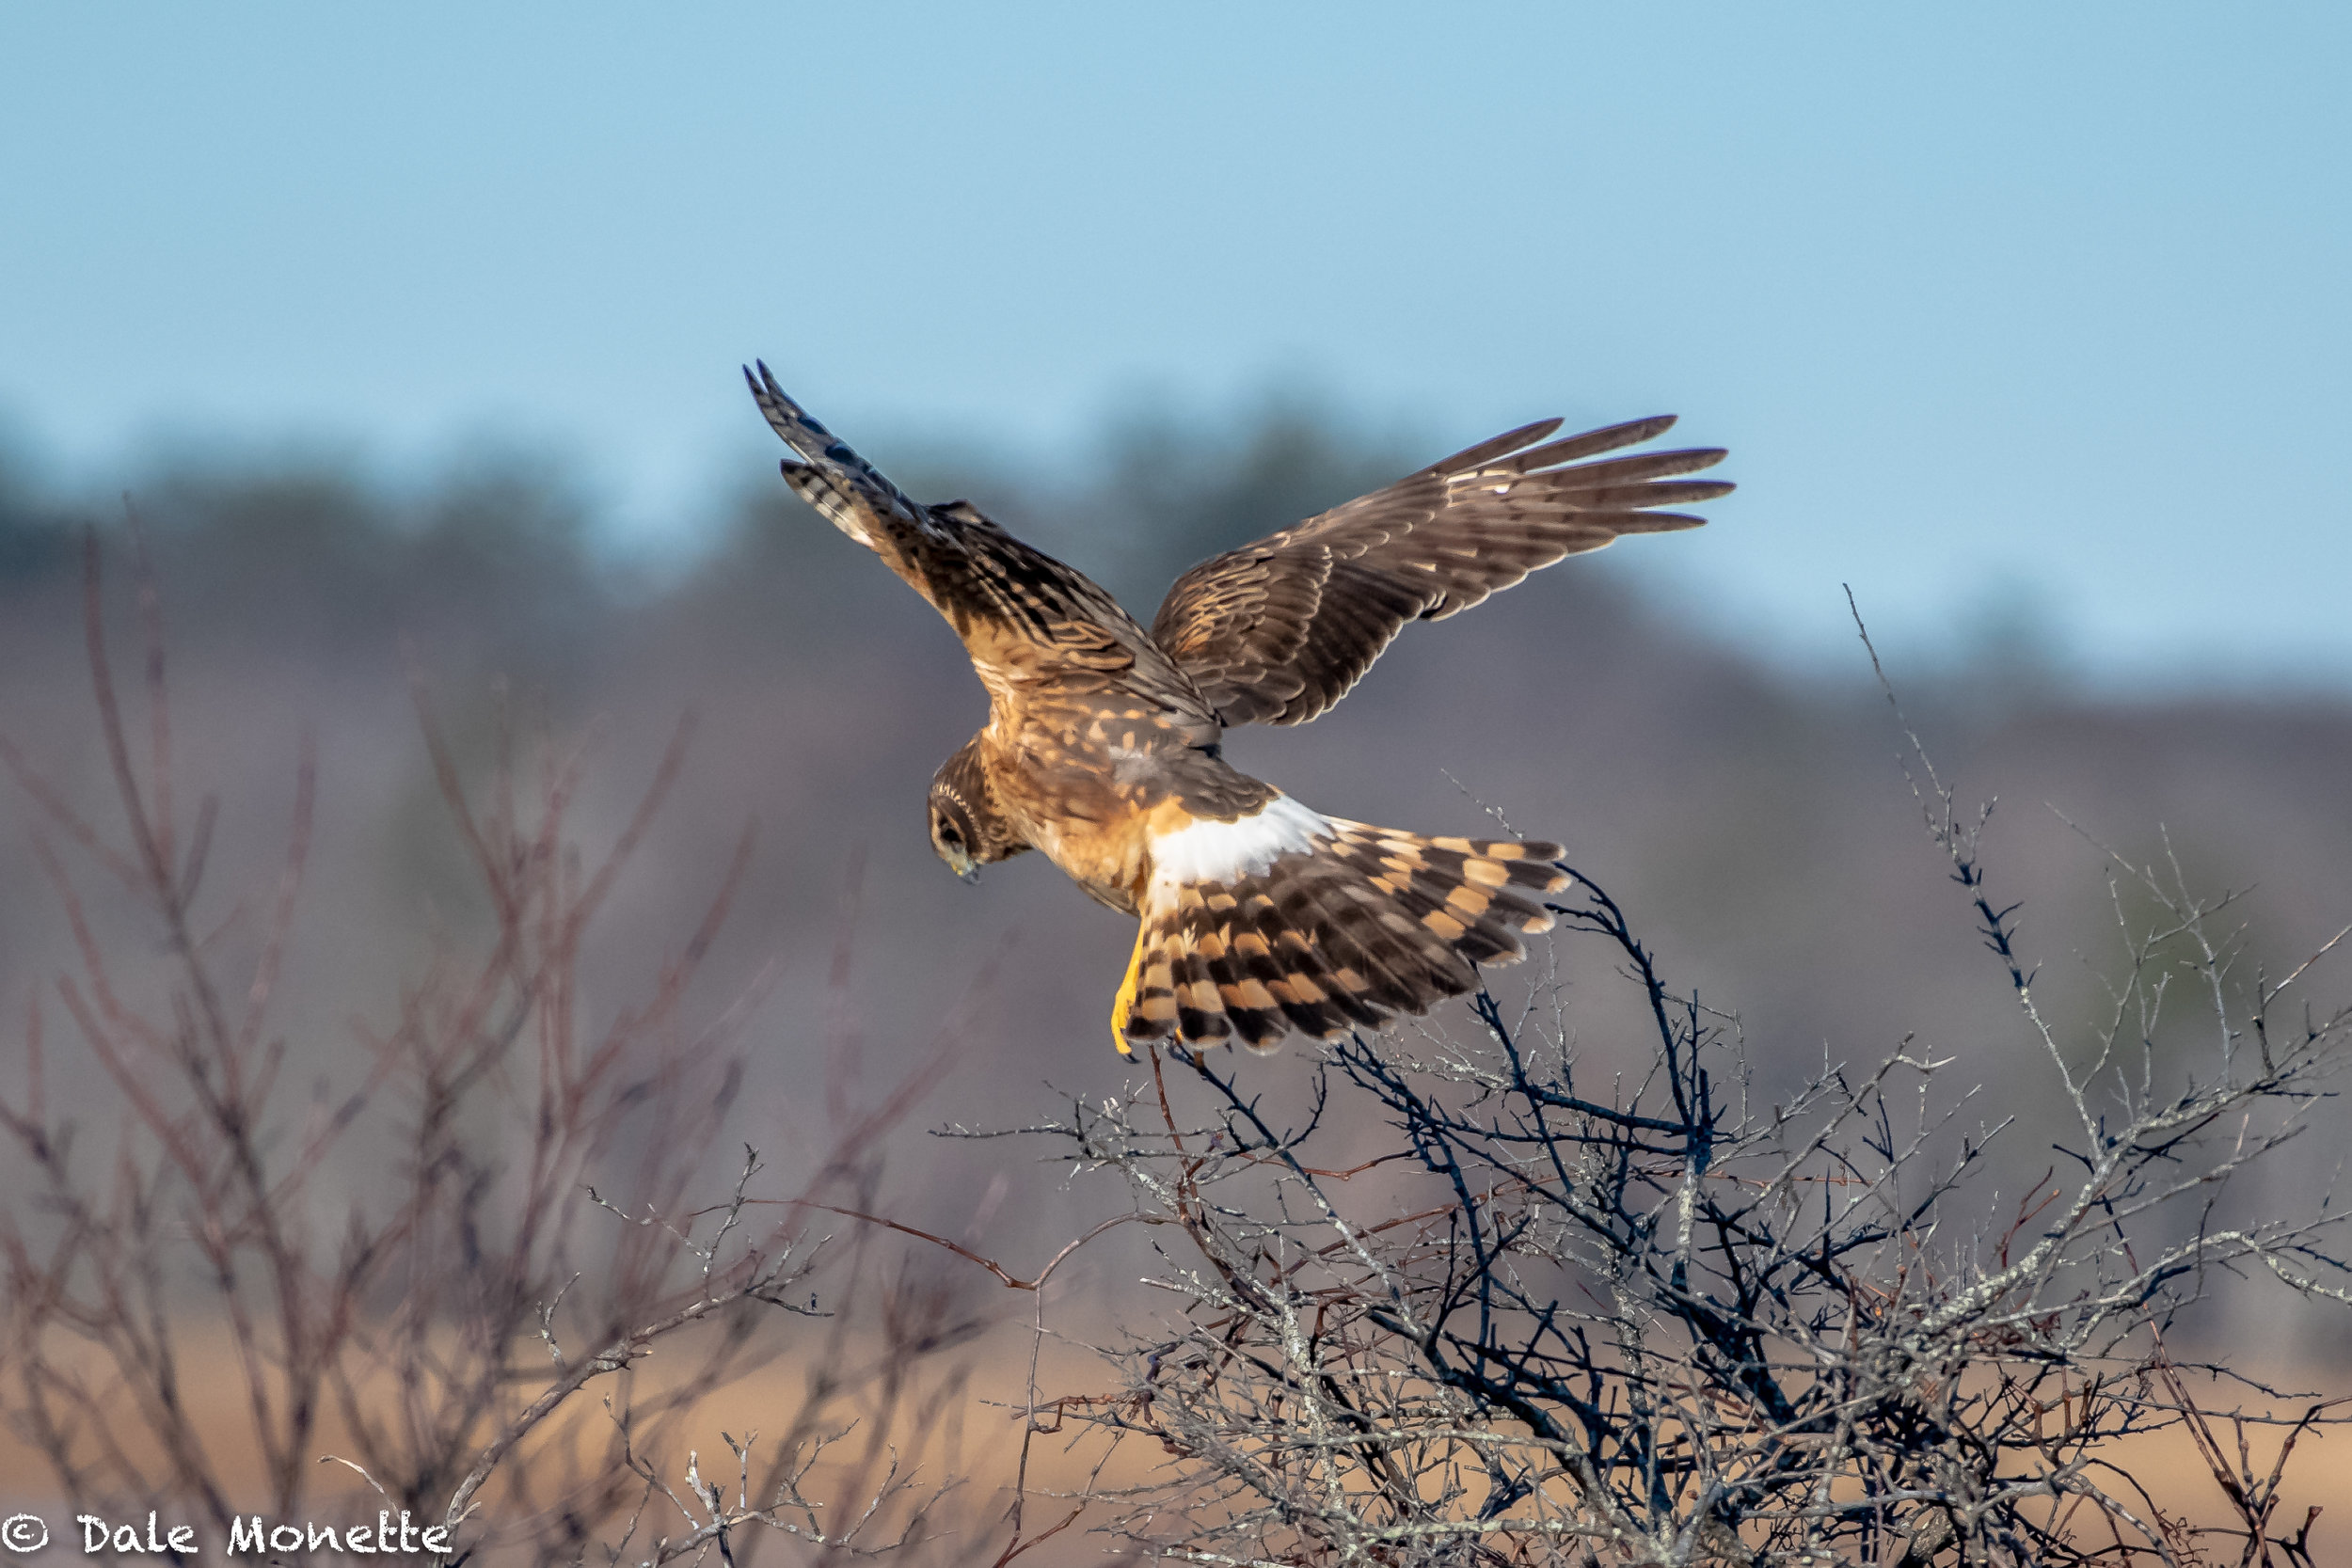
x: 1125, y: 1001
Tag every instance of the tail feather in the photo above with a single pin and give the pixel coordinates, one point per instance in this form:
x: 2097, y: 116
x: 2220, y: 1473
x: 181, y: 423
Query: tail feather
x: 1290, y: 915
x: 1240, y: 961
x: 1477, y: 939
x: 1469, y: 897
x: 1362, y: 925
x: 1292, y: 975
x: 1411, y: 969
x: 1202, y: 971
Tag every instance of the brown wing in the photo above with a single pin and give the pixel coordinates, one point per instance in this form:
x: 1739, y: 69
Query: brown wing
x: 1277, y: 631
x: 848, y: 491
x: 1026, y: 619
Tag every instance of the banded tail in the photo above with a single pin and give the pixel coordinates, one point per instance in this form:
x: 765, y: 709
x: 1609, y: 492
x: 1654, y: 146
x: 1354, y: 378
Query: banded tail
x: 1288, y: 919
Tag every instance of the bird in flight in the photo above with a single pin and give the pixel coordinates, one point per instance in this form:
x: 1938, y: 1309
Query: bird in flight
x: 1257, y: 915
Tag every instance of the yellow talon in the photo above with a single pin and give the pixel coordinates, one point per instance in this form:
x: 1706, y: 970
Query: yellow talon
x: 1125, y: 1001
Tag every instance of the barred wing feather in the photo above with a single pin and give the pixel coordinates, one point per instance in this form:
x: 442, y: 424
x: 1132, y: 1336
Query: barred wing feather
x: 1279, y: 631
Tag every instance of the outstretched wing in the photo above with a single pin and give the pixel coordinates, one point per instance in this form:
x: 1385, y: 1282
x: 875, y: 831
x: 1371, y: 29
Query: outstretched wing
x: 1277, y: 631
x: 1026, y: 619
x: 851, y: 494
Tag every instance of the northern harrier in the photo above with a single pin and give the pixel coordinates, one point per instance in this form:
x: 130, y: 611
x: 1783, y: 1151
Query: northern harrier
x: 1258, y: 915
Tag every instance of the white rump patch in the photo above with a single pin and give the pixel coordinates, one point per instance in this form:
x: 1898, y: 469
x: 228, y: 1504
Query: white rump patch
x: 1228, y: 852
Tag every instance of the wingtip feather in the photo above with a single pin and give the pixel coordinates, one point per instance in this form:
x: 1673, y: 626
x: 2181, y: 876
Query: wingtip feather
x: 1496, y: 446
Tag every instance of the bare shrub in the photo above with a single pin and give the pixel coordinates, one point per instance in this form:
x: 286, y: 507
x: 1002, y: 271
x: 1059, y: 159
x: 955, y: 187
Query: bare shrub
x: 435, y: 1330
x: 1655, y: 1319
x: 1547, y: 1315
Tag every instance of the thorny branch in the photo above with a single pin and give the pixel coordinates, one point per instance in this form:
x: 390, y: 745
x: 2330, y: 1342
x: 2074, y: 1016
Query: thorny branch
x: 1654, y: 1322
x: 438, y: 1320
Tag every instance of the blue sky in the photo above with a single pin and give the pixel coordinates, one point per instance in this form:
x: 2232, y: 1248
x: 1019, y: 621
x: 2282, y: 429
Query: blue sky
x: 1996, y: 305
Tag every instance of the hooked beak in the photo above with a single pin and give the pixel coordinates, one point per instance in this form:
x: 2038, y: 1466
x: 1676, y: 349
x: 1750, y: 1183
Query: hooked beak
x: 969, y: 876
x: 960, y: 863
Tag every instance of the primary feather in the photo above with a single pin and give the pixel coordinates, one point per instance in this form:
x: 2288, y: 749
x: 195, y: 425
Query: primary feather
x: 1279, y: 631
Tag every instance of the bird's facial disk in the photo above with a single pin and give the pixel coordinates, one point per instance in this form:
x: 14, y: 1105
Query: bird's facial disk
x: 953, y: 837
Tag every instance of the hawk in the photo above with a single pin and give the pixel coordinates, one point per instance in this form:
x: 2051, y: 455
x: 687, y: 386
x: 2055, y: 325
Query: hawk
x: 1257, y: 915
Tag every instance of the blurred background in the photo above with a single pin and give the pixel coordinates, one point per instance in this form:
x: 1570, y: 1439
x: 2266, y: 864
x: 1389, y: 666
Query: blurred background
x: 417, y: 330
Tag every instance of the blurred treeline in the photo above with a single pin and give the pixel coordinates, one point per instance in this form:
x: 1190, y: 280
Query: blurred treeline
x: 1755, y: 821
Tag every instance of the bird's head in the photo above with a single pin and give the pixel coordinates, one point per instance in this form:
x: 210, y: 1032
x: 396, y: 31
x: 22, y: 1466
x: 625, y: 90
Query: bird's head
x: 967, y: 831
